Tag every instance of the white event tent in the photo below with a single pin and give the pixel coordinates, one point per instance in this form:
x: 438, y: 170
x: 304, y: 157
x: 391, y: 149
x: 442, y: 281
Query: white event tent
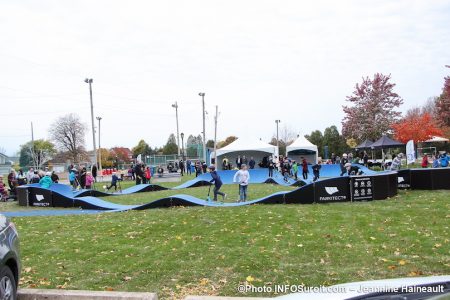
x: 301, y: 147
x: 248, y: 147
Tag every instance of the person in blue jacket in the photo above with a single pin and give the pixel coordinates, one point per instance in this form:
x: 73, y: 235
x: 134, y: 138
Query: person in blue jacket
x: 217, y: 183
x: 46, y: 181
x: 444, y: 160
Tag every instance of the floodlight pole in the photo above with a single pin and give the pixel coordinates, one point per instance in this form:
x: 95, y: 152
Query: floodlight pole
x: 99, y: 147
x: 90, y: 80
x: 204, y: 134
x: 178, y: 133
x: 278, y: 144
x: 215, y: 136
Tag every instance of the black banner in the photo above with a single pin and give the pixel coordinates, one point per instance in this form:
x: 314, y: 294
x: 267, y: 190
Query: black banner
x: 332, y: 190
x: 404, y: 179
x: 40, y: 197
x: 362, y: 188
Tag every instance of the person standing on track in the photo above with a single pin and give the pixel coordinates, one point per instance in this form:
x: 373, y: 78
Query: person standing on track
x: 242, y: 177
x: 316, y: 170
x: 343, y: 162
x: 304, y: 169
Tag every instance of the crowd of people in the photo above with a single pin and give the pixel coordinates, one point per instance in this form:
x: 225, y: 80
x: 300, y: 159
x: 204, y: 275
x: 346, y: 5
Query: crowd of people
x: 18, y: 178
x: 80, y: 178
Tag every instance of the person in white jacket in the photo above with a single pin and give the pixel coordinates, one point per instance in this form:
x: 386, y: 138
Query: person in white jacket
x: 242, y: 177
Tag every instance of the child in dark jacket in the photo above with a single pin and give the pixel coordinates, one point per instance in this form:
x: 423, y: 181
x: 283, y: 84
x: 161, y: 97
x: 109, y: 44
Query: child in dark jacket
x: 316, y: 170
x: 217, y: 183
x: 114, y: 180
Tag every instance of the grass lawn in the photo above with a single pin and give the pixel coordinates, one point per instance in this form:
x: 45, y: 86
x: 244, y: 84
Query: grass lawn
x: 199, y: 250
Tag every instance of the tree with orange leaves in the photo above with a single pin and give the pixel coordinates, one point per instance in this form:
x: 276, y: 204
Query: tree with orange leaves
x: 417, y: 127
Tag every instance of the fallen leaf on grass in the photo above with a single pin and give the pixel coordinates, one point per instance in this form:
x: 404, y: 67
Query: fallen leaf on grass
x: 402, y: 262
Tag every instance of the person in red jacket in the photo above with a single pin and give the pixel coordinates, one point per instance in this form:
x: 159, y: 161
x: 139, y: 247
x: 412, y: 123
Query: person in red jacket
x: 425, y: 161
x: 304, y: 169
x: 148, y: 174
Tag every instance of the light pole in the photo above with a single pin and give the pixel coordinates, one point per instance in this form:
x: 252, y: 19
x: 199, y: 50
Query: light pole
x: 182, y: 146
x: 178, y: 134
x: 204, y: 134
x: 278, y: 145
x: 90, y: 80
x: 99, y: 147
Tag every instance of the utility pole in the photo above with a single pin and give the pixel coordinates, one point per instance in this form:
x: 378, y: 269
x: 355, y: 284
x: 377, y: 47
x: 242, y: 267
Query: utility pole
x: 204, y: 134
x: 99, y: 147
x: 32, y: 150
x: 278, y: 144
x: 178, y: 133
x: 215, y: 136
x: 90, y: 80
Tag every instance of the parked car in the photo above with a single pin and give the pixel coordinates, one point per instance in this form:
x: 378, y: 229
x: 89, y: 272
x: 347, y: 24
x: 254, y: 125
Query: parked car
x: 9, y: 259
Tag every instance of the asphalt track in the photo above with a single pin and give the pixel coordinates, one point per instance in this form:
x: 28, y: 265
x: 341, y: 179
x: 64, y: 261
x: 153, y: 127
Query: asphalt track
x: 91, y: 205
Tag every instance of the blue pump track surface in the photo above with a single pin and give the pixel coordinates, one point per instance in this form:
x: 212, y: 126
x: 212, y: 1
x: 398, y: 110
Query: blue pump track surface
x: 63, y: 196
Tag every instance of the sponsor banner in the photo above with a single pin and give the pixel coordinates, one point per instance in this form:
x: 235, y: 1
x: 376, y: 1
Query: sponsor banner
x: 332, y: 190
x: 362, y: 188
x: 40, y: 197
x: 410, y: 153
x: 404, y: 179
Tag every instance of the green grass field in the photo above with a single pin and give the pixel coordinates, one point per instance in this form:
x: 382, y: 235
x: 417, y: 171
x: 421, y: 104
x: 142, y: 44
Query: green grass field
x: 210, y: 251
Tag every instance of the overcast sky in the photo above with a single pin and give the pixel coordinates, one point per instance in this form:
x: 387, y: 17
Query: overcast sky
x: 258, y: 60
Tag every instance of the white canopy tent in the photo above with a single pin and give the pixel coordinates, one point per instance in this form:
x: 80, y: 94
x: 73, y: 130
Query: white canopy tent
x: 301, y: 147
x: 247, y: 147
x: 437, y: 139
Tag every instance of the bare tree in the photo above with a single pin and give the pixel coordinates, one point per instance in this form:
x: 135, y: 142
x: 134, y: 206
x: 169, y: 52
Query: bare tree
x: 68, y: 133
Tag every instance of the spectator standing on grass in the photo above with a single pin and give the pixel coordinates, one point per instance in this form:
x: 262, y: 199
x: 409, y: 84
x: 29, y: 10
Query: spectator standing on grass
x: 271, y: 167
x: 239, y: 162
x: 251, y: 163
x: 244, y: 160
x: 425, y: 161
x: 396, y: 162
x: 188, y: 167
x: 242, y: 177
x: 333, y: 158
x: 148, y: 174
x: 225, y: 163
x: 138, y: 173
x: 366, y: 159
x: 217, y: 183
x: 46, y: 181
x: 316, y: 170
x: 94, y: 172
x: 198, y: 169
x: 30, y: 174
x: 342, y: 163
x: 21, y: 178
x: 182, y: 166
x: 204, y: 167
x: 89, y: 180
x: 35, y: 178
x: 132, y: 172
x: 305, y: 168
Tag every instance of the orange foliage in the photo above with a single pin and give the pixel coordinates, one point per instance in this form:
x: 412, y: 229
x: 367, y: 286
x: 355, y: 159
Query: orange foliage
x: 416, y: 127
